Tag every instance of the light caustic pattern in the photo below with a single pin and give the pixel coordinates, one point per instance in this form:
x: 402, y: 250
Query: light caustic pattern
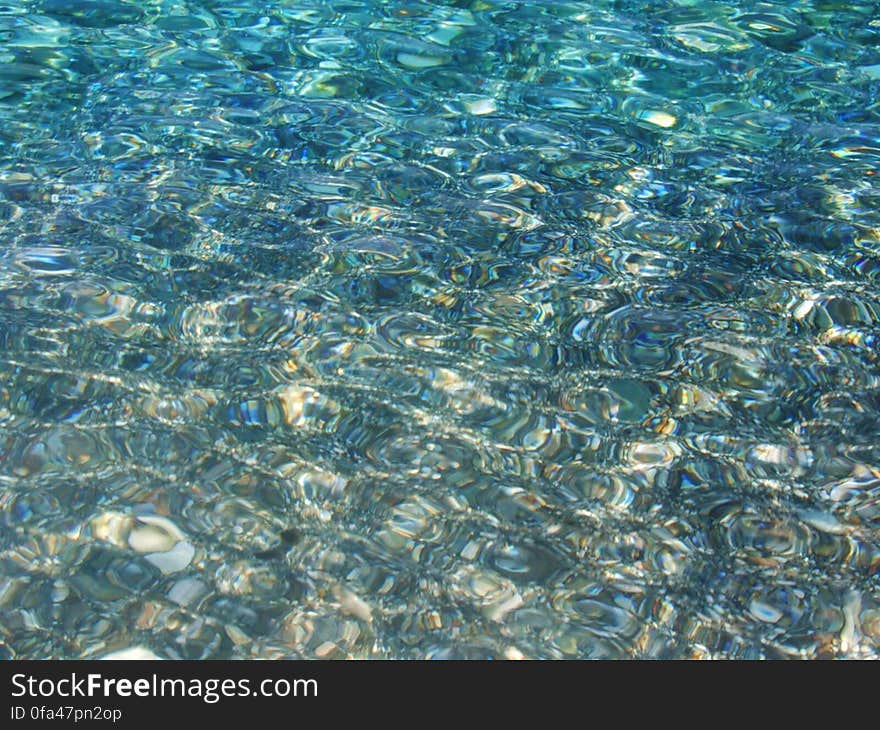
x: 452, y: 329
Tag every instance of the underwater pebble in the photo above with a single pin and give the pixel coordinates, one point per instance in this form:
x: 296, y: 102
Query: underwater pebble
x: 351, y: 605
x: 174, y: 560
x: 823, y: 522
x: 658, y: 118
x: 498, y: 611
x: 765, y: 612
x: 150, y: 534
x: 480, y: 106
x: 187, y: 591
x: 416, y: 61
x: 134, y: 653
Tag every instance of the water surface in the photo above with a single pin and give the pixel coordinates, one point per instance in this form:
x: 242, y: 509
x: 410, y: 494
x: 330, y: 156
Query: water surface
x: 473, y: 329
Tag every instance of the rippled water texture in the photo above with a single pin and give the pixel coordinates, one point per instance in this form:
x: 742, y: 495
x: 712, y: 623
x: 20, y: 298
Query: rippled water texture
x: 453, y: 330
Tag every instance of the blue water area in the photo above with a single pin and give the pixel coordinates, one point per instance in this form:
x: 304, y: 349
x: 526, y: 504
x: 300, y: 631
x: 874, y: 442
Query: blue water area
x: 472, y: 329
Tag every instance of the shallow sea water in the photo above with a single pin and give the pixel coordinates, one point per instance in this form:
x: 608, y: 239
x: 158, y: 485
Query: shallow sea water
x: 472, y: 329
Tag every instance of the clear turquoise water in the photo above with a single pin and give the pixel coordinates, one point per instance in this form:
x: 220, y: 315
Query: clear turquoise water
x: 463, y: 329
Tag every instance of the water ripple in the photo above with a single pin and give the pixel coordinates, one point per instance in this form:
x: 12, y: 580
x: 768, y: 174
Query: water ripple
x: 344, y: 329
